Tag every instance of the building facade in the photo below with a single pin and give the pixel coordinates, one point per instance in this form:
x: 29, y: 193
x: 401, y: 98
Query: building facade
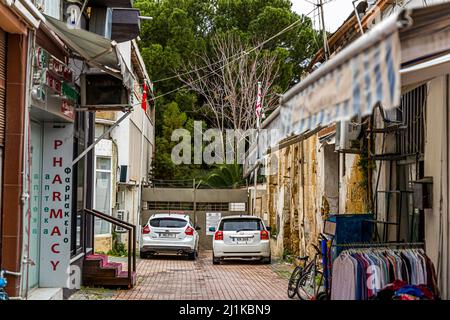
x: 390, y: 162
x: 69, y: 62
x: 123, y: 159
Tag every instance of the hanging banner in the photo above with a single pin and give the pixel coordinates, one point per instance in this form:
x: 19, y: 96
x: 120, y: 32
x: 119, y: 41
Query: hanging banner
x: 56, y: 205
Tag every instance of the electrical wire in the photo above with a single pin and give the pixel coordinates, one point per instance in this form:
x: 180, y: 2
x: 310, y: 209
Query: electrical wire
x: 240, y: 54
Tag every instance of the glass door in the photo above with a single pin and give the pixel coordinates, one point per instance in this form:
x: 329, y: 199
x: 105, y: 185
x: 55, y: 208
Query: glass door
x: 33, y: 217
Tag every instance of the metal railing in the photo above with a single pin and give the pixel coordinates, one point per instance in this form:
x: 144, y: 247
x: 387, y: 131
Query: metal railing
x: 131, y: 229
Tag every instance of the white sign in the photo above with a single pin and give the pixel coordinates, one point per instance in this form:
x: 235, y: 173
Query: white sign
x: 56, y: 205
x: 212, y: 220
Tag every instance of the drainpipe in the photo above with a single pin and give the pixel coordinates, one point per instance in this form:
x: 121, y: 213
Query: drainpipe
x: 26, y: 171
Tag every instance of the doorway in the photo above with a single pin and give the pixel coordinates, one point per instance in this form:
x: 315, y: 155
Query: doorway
x: 34, y: 217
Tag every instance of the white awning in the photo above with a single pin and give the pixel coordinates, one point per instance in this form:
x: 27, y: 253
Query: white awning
x: 410, y: 46
x: 367, y: 72
x: 96, y: 50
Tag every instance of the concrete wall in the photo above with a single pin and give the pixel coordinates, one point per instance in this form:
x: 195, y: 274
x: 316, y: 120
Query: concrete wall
x: 201, y: 195
x: 187, y: 195
x: 205, y: 241
x: 437, y: 166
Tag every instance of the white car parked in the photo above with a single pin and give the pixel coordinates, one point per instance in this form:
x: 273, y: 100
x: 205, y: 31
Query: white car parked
x: 241, y: 237
x: 169, y: 233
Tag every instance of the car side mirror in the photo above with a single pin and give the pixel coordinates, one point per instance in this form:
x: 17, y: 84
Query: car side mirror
x: 212, y: 229
x: 268, y: 228
x: 198, y: 228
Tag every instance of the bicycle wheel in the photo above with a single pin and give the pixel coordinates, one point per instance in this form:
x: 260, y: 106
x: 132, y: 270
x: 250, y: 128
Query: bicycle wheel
x: 309, y: 284
x: 293, y: 281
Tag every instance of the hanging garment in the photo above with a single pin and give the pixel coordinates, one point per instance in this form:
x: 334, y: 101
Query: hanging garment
x: 361, y: 274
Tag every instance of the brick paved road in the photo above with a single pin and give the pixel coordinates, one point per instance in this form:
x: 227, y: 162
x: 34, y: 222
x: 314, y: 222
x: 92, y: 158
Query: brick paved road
x: 177, y: 278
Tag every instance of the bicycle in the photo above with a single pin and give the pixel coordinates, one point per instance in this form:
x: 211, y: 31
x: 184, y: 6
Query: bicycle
x: 311, y: 283
x: 295, y: 277
x: 3, y: 283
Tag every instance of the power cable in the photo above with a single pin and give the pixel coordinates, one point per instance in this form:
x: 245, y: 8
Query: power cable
x: 241, y: 55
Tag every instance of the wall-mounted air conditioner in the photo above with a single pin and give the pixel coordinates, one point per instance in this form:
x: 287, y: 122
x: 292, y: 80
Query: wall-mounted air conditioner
x: 347, y: 135
x: 124, y: 216
x: 100, y: 21
x: 123, y: 174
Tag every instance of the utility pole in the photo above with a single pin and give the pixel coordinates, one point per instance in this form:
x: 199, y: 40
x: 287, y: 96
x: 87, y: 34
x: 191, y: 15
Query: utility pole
x: 324, y: 32
x: 258, y: 114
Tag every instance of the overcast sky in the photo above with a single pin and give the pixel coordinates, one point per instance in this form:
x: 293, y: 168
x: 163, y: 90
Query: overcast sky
x: 335, y: 11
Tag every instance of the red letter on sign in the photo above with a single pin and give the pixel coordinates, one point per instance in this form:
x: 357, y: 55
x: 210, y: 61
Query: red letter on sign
x: 56, y: 195
x: 54, y: 264
x: 53, y: 248
x: 55, y: 230
x: 56, y: 161
x: 57, y: 214
x: 58, y: 143
x: 57, y: 179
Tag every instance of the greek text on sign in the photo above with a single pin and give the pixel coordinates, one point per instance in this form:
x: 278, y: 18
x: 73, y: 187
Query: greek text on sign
x: 56, y: 204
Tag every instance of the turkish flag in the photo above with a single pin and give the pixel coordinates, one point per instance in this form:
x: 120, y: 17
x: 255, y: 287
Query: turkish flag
x: 144, y: 97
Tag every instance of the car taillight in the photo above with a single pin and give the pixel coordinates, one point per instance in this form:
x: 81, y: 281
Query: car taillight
x: 146, y: 230
x: 189, y: 231
x: 218, y: 235
x: 264, y: 235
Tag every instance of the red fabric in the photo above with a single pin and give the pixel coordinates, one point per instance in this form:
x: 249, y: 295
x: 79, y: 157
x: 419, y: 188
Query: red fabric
x: 144, y: 97
x: 397, y: 284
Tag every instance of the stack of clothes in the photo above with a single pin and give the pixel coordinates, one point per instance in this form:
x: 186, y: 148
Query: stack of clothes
x: 401, y: 290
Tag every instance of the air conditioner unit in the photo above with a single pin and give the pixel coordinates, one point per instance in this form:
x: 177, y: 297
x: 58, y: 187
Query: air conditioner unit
x: 124, y: 216
x: 123, y: 174
x: 100, y: 21
x: 347, y: 134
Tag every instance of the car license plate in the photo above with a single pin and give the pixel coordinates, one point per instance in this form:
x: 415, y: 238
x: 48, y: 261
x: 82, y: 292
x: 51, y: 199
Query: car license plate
x: 167, y: 235
x: 241, y: 239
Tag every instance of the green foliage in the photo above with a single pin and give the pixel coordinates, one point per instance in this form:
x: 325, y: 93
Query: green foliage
x: 287, y: 255
x: 182, y: 29
x: 118, y: 248
x: 225, y: 176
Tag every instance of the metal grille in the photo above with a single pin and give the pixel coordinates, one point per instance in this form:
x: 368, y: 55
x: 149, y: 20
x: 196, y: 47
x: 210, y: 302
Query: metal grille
x: 412, y: 114
x: 189, y: 206
x: 2, y: 86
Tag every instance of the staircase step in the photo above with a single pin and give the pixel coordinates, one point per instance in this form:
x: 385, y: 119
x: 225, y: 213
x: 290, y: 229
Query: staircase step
x: 117, y: 266
x: 101, y: 258
x: 98, y: 271
x: 124, y: 274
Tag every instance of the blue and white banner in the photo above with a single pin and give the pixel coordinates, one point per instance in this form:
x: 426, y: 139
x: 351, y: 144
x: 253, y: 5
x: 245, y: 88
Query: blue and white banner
x: 352, y: 88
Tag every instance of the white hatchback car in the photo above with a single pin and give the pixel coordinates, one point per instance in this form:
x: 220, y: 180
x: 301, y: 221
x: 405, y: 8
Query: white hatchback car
x: 169, y: 233
x: 241, y: 237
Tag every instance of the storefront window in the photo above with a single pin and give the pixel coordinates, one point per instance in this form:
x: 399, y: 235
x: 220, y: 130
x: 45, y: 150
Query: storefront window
x: 103, y: 193
x: 79, y: 184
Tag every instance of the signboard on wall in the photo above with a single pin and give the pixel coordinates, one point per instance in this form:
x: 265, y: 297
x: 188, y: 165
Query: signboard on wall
x: 212, y: 220
x: 56, y: 204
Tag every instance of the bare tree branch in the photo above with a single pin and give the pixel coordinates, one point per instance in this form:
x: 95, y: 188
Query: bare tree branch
x: 230, y: 89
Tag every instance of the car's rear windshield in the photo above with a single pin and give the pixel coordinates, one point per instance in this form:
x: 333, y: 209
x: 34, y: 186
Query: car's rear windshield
x: 167, y: 223
x: 240, y: 224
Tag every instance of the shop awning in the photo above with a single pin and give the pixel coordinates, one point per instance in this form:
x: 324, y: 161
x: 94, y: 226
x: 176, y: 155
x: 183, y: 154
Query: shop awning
x: 411, y: 45
x: 368, y: 71
x: 96, y: 50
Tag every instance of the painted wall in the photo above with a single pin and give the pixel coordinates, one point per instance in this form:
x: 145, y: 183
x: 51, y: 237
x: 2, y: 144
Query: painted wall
x: 437, y: 166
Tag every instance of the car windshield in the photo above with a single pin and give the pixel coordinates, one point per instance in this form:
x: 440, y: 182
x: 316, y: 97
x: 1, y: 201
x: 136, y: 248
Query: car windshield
x: 167, y: 223
x: 240, y: 225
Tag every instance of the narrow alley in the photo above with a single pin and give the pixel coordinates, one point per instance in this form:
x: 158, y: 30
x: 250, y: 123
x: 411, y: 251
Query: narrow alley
x: 176, y: 278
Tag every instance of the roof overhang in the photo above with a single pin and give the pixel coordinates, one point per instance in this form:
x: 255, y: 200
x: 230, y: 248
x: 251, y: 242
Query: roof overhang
x: 410, y: 46
x: 371, y: 70
x: 94, y: 49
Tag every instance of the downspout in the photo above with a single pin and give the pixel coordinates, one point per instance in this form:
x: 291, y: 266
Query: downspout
x: 447, y: 282
x: 302, y: 164
x: 26, y: 174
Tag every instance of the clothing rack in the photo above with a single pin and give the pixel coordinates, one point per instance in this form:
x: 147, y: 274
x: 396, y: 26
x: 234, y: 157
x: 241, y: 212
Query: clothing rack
x: 380, y: 245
